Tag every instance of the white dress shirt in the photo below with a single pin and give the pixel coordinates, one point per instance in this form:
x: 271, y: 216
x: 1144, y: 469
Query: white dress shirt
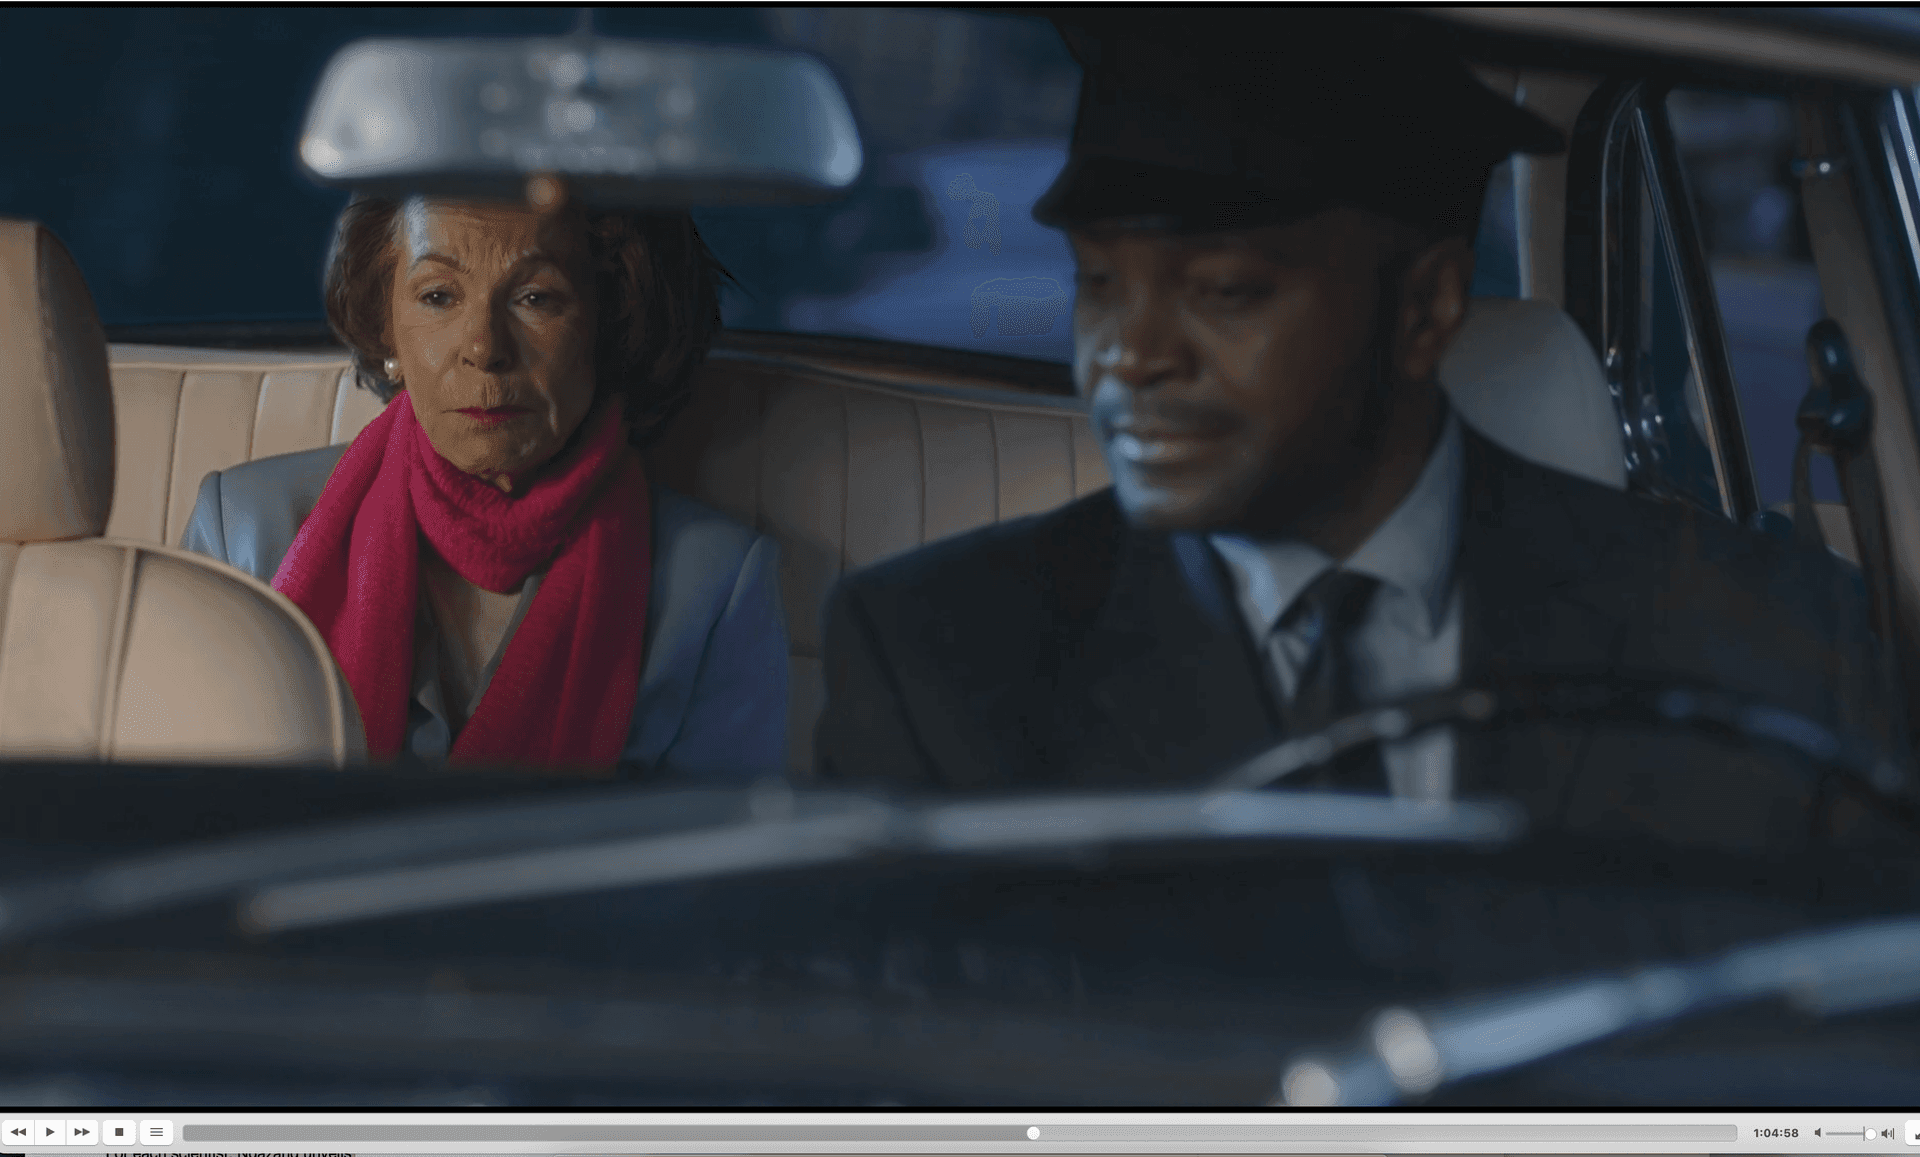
x: 1408, y: 641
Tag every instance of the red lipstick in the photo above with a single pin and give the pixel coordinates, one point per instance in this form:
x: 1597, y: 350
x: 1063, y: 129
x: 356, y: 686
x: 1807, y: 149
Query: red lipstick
x: 495, y: 415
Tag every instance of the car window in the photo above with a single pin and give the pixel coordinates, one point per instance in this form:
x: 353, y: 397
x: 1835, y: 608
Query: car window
x: 1673, y: 421
x: 1738, y: 150
x: 1639, y: 283
x: 159, y: 144
x: 1496, y: 249
x: 966, y: 118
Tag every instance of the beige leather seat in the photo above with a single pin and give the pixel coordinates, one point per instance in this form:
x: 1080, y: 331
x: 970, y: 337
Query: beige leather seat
x: 125, y: 650
x: 843, y: 467
x: 1523, y: 374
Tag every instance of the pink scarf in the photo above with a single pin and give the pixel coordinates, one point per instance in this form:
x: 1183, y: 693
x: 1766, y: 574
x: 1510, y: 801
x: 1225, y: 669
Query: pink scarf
x: 563, y: 694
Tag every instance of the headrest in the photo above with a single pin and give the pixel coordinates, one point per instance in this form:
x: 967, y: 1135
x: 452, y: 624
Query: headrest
x: 56, y: 400
x: 1523, y: 374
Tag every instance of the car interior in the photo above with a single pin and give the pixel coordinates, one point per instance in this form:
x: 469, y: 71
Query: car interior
x: 845, y: 450
x: 843, y: 454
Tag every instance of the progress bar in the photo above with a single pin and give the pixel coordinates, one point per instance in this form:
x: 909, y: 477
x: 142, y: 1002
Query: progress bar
x: 558, y: 1134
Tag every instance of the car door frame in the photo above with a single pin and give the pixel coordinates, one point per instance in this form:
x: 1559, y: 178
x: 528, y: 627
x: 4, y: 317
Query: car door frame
x: 1860, y: 183
x: 1622, y: 140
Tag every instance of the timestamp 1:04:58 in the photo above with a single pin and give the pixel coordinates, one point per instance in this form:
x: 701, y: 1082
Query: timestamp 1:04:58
x: 1776, y: 1133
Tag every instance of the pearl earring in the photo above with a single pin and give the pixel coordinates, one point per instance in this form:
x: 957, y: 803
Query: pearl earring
x: 392, y: 367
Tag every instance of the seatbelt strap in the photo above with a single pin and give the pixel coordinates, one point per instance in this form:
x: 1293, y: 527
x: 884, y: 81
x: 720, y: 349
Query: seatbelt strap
x: 1806, y: 522
x: 1837, y: 418
x: 1845, y: 433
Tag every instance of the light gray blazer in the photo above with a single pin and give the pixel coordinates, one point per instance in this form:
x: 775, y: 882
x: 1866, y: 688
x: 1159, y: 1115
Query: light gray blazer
x: 713, y: 688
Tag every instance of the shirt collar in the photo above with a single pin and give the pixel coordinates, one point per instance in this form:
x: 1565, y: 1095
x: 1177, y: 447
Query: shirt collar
x: 1412, y: 552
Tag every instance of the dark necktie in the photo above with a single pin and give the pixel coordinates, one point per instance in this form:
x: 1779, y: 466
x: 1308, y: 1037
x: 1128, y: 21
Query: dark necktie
x: 1325, y: 616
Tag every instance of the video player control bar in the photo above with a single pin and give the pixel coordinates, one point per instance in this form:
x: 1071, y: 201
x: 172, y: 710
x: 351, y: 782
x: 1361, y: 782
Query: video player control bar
x: 41, y: 1134
x: 883, y: 1134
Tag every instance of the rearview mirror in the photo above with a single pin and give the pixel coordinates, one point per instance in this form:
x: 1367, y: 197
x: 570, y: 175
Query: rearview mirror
x: 626, y: 123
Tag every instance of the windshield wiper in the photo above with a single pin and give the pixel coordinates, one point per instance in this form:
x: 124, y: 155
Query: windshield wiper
x: 626, y: 838
x: 1407, y: 1053
x: 356, y: 871
x: 871, y: 829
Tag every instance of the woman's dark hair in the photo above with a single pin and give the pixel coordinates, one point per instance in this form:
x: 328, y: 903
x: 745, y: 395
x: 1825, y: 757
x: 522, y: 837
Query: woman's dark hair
x: 657, y: 284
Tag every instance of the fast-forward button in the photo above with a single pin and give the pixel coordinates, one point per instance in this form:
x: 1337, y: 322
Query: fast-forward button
x: 83, y: 1132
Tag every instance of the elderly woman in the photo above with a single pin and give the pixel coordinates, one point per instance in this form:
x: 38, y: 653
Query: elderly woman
x: 488, y: 561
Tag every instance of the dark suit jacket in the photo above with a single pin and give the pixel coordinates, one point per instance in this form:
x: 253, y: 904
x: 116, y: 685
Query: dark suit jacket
x: 1065, y: 650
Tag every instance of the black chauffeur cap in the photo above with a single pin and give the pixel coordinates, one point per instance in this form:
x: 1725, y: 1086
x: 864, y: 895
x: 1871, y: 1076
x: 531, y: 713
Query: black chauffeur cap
x: 1205, y: 119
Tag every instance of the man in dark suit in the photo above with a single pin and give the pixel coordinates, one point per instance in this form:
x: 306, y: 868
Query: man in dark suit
x: 1274, y: 252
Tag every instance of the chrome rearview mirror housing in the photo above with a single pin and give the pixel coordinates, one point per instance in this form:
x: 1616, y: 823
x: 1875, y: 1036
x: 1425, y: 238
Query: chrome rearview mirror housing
x: 624, y: 122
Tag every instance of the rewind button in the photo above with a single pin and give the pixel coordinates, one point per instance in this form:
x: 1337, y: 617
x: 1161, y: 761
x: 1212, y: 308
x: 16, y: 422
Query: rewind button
x: 16, y: 1132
